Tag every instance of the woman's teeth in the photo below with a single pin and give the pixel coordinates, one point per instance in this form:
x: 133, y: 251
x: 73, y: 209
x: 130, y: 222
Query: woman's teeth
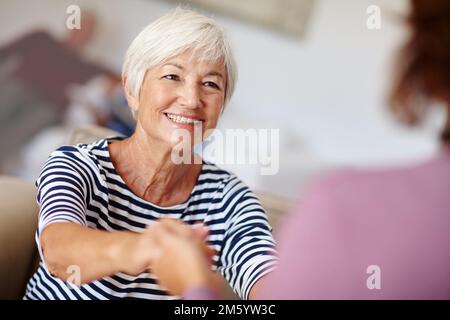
x: 180, y: 119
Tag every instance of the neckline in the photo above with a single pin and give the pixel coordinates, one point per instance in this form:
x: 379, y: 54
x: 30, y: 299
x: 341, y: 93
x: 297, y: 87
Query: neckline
x: 182, y: 205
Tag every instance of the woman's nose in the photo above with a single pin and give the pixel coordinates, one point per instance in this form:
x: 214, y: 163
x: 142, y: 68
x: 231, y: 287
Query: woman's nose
x: 190, y: 96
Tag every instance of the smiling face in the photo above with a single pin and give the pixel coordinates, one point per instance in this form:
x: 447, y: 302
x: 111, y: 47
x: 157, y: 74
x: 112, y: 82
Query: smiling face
x: 179, y: 94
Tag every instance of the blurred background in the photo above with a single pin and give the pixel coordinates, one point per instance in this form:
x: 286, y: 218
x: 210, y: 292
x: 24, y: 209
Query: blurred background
x: 312, y: 69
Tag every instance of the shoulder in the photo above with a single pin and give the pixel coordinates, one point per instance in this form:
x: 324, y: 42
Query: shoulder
x: 38, y: 37
x: 40, y: 34
x: 359, y: 193
x: 87, y: 153
x: 365, y: 183
x: 79, y: 160
x: 30, y: 40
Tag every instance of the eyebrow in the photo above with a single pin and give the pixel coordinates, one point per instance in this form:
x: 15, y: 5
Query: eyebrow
x: 211, y: 73
x: 214, y: 73
x: 175, y: 65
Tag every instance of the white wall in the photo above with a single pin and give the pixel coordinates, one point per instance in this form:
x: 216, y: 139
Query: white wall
x: 325, y: 92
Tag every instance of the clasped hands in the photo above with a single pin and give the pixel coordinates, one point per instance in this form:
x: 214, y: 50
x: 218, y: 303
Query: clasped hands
x: 175, y: 253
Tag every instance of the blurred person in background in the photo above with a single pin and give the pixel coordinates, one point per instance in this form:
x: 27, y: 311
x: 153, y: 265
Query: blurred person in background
x: 96, y: 102
x: 379, y: 234
x: 36, y: 74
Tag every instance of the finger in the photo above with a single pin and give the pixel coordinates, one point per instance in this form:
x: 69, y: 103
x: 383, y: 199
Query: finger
x: 177, y: 227
x: 201, y: 231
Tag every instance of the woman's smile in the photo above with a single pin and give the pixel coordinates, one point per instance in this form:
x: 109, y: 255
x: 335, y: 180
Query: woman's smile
x: 183, y: 120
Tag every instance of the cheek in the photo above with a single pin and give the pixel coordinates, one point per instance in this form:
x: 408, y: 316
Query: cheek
x: 157, y: 99
x: 215, y: 104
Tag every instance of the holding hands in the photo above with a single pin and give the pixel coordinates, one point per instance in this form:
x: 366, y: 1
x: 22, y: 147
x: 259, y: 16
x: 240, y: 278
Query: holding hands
x: 180, y: 257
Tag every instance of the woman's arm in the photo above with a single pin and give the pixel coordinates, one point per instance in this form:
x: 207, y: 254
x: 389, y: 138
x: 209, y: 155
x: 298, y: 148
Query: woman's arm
x: 95, y: 253
x: 65, y: 242
x: 256, y: 288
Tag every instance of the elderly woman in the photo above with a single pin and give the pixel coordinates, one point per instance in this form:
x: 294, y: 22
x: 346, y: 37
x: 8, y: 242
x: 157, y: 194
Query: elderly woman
x: 98, y: 201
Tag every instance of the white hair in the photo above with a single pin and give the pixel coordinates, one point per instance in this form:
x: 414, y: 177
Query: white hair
x: 173, y: 34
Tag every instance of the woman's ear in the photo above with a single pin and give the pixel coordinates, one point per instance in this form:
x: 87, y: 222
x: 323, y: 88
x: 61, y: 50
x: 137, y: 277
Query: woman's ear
x: 132, y: 101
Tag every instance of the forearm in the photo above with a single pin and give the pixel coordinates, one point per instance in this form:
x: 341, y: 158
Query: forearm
x: 95, y: 253
x: 254, y: 293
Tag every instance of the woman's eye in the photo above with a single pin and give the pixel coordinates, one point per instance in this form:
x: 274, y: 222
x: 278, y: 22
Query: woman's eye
x: 172, y: 77
x: 211, y: 84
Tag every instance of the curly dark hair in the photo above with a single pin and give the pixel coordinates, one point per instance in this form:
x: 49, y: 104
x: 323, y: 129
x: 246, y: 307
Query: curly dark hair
x: 424, y: 62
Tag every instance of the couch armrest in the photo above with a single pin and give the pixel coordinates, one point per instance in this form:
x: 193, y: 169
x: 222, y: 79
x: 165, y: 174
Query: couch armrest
x: 18, y: 222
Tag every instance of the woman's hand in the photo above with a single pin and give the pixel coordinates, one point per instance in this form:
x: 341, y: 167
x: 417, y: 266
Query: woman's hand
x: 136, y: 252
x: 181, y: 259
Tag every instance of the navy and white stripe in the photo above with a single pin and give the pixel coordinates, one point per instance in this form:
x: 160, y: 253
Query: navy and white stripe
x: 79, y: 184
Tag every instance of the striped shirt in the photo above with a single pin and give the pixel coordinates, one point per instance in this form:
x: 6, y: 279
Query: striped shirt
x: 79, y: 184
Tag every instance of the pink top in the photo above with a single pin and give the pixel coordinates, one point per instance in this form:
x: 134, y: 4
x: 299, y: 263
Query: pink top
x: 357, y: 230
x: 394, y: 222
